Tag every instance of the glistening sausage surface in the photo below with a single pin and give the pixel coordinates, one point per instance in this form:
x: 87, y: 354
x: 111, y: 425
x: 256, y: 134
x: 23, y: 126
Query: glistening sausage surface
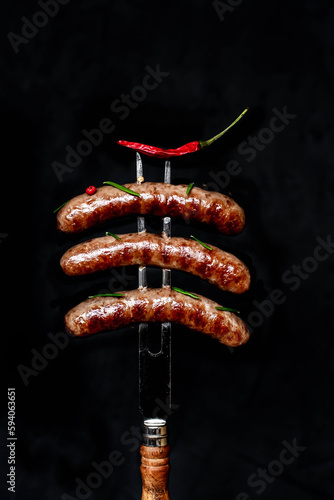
x: 156, y: 305
x: 85, y: 211
x: 218, y: 267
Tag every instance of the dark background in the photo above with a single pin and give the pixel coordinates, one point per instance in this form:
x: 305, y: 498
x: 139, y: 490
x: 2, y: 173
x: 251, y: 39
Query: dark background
x: 235, y: 408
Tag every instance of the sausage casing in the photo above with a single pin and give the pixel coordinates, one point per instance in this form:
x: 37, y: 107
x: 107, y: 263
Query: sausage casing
x: 156, y: 305
x: 86, y: 211
x: 218, y: 267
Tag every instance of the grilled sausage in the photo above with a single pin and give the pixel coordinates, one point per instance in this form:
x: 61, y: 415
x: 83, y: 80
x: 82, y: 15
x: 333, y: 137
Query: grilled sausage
x: 85, y: 211
x: 218, y: 267
x: 156, y: 305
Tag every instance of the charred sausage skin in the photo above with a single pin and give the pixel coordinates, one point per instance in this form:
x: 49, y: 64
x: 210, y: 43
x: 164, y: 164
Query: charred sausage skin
x: 98, y: 314
x: 218, y: 267
x: 86, y: 211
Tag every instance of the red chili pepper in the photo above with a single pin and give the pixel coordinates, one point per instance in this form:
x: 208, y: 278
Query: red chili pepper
x: 190, y: 147
x: 91, y: 190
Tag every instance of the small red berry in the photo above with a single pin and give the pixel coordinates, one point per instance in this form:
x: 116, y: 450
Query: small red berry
x: 91, y: 190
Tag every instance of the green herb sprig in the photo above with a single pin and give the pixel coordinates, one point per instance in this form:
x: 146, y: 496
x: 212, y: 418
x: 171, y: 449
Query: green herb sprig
x: 184, y: 292
x: 201, y: 242
x: 60, y: 207
x: 122, y: 188
x: 222, y: 308
x: 112, y: 234
x: 189, y: 188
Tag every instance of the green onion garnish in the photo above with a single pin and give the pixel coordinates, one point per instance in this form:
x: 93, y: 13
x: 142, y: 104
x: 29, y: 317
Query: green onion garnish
x: 122, y: 188
x: 185, y: 293
x: 107, y: 295
x: 189, y: 188
x: 222, y: 308
x: 112, y: 234
x: 59, y: 207
x: 201, y: 242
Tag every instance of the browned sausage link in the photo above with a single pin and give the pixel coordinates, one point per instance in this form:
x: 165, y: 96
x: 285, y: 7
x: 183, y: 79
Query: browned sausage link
x: 156, y: 305
x: 85, y: 211
x: 218, y: 267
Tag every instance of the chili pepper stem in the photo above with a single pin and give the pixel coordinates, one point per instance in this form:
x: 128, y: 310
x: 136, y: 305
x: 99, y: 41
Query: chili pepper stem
x: 203, y: 144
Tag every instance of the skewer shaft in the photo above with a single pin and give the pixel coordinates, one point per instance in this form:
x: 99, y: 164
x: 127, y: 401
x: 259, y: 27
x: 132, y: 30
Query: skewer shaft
x: 167, y: 227
x: 154, y: 367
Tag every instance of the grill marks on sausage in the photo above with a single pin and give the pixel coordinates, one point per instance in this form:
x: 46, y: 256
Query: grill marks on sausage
x: 85, y: 211
x: 156, y: 305
x: 218, y: 267
x: 138, y: 311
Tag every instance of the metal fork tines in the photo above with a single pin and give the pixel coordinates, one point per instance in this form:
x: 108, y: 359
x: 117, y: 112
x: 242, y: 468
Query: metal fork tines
x: 166, y: 328
x: 167, y: 228
x: 154, y: 368
x: 142, y: 275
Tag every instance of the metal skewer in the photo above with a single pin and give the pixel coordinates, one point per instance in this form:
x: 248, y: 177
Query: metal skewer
x: 142, y: 275
x: 166, y: 328
x: 154, y: 379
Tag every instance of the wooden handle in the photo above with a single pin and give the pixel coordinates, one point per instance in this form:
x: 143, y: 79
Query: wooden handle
x: 155, y: 472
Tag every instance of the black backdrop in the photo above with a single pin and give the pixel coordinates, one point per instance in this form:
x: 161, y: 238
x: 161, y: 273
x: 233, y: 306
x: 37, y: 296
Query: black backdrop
x: 253, y: 422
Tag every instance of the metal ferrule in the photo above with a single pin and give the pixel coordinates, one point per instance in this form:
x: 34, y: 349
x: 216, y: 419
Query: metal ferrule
x: 155, y: 432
